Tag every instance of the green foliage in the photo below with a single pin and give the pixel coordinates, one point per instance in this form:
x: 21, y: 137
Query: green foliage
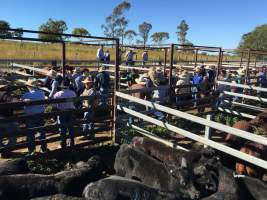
x: 116, y: 24
x: 4, y: 25
x: 227, y: 119
x: 159, y: 37
x: 18, y: 33
x: 126, y: 135
x: 256, y: 39
x: 53, y: 26
x: 182, y: 32
x: 80, y: 31
x: 144, y: 30
x: 130, y: 34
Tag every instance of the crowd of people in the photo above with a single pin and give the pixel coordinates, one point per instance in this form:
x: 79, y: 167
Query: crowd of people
x: 198, y: 88
x: 77, y: 82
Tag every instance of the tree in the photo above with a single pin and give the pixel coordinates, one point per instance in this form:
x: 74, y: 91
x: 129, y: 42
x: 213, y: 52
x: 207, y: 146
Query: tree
x: 130, y: 34
x: 80, y: 31
x: 159, y: 37
x: 4, y: 25
x: 53, y: 26
x: 182, y: 32
x: 256, y: 39
x: 116, y: 24
x: 144, y: 30
x: 18, y: 32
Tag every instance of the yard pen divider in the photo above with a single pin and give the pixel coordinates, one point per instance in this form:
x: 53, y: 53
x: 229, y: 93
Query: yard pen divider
x: 236, y: 113
x: 243, y: 86
x: 156, y: 138
x: 205, y: 122
x: 244, y: 96
x: 215, y: 145
x: 256, y: 108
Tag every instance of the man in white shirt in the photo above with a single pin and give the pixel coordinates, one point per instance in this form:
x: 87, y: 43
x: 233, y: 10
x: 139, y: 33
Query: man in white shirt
x: 100, y: 54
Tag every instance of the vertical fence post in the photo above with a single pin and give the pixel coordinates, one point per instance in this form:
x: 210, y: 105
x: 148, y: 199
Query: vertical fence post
x: 171, y: 66
x: 218, y: 67
x: 247, y: 67
x: 196, y: 55
x: 241, y: 59
x: 116, y: 88
x: 207, y: 130
x: 165, y: 59
x: 63, y: 59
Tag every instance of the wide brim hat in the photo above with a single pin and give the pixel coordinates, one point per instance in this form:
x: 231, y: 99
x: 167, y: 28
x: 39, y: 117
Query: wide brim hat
x: 52, y: 73
x: 101, y: 69
x: 34, y: 83
x: 241, y: 72
x: 198, y: 68
x: 183, y: 75
x: 77, y: 70
x: 3, y: 86
x: 158, y: 69
x: 142, y: 79
x: 211, y: 67
x: 87, y: 80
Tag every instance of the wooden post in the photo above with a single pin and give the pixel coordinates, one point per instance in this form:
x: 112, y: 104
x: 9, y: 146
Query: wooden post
x: 207, y: 130
x: 241, y: 59
x: 247, y: 67
x: 165, y: 59
x: 116, y: 88
x: 171, y: 66
x: 63, y: 59
x: 196, y: 55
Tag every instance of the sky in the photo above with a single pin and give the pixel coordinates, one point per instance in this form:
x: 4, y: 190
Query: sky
x: 219, y: 23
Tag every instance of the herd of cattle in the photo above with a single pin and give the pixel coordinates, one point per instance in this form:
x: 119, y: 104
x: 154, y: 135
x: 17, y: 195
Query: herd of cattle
x: 145, y: 170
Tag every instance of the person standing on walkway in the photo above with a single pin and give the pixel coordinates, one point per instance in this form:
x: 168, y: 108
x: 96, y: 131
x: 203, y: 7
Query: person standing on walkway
x: 102, y: 85
x: 100, y: 55
x: 145, y: 57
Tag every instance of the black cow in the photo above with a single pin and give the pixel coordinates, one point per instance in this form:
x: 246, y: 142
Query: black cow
x: 58, y: 197
x: 228, y: 188
x: 16, y: 166
x: 115, y: 188
x: 71, y: 182
x: 200, y: 164
x: 252, y: 188
x: 133, y: 163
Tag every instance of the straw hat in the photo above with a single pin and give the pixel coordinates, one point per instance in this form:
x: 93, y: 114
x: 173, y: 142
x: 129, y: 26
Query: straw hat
x: 33, y: 82
x: 158, y: 69
x: 77, y: 70
x: 87, y: 80
x: 142, y: 79
x: 211, y: 67
x: 241, y: 72
x: 198, y: 69
x: 52, y: 73
x: 101, y: 69
x: 183, y: 75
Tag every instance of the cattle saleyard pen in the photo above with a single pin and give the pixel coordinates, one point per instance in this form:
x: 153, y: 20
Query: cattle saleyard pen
x: 126, y: 116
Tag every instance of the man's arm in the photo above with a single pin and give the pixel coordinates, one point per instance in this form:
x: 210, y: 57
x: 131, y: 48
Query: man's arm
x: 54, y: 89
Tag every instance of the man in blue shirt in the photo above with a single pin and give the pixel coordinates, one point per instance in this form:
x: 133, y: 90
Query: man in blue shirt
x: 197, y: 79
x: 34, y: 94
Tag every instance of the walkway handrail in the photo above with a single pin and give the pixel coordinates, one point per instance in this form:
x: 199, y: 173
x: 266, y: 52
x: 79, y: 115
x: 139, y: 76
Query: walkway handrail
x: 205, y: 122
x: 243, y: 86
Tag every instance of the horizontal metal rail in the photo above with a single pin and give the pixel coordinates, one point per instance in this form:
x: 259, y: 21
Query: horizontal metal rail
x: 156, y: 138
x: 205, y: 122
x: 246, y: 96
x: 245, y: 105
x: 243, y: 86
x: 236, y: 113
x: 43, y: 71
x: 208, y: 142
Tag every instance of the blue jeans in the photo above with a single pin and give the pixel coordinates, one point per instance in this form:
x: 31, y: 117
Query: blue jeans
x: 88, y: 127
x: 103, y: 96
x: 31, y: 134
x: 65, y: 121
